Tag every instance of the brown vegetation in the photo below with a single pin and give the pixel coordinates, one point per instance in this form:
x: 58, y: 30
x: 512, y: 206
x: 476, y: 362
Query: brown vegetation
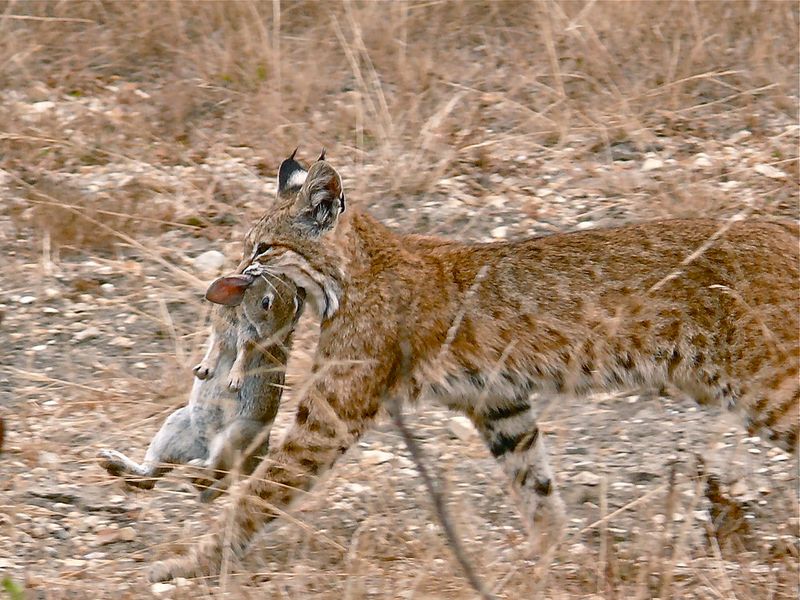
x: 135, y: 136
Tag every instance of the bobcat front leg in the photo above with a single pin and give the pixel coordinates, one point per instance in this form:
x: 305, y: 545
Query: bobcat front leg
x: 509, y: 429
x: 329, y: 419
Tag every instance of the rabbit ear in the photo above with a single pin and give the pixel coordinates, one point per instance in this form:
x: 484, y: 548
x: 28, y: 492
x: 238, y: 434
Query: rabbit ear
x: 229, y: 290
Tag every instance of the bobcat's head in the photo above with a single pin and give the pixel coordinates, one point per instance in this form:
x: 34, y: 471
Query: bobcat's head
x: 293, y: 239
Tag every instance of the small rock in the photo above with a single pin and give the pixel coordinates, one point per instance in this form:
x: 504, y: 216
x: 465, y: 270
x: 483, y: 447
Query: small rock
x: 586, y: 225
x: 74, y: 562
x: 85, y: 334
x: 127, y: 534
x: 586, y: 478
x: 578, y: 549
x: 105, y: 536
x: 703, y: 161
x: 108, y: 288
x: 43, y: 106
x: 376, y: 457
x: 92, y: 521
x: 209, y: 264
x: 49, y: 459
x: 461, y: 427
x: 122, y: 342
x: 651, y: 164
x: 499, y: 232
x: 765, y: 170
x: 27, y: 299
x: 739, y: 488
x: 161, y: 588
x: 739, y: 136
x: 356, y: 488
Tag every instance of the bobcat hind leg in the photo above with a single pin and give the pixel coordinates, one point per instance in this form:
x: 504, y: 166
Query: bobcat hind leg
x: 509, y: 429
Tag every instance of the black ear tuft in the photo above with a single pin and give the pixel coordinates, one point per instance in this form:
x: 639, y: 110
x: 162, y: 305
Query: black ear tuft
x: 291, y: 175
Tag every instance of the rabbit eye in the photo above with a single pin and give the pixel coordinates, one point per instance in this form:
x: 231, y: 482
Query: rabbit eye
x: 266, y: 302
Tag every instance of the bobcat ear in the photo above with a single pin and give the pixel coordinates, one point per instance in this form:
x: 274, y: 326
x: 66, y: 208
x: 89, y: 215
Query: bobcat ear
x: 291, y: 175
x: 229, y: 290
x: 321, y: 155
x: 321, y: 199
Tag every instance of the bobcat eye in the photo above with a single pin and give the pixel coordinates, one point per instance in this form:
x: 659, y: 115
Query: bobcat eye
x: 266, y: 302
x: 261, y: 248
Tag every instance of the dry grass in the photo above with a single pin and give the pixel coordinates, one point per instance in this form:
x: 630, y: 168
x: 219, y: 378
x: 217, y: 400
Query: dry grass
x: 136, y: 135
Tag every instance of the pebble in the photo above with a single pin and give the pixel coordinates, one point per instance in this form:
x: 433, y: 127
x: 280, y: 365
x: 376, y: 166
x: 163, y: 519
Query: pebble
x: 586, y: 478
x: 85, y: 334
x: 499, y: 232
x: 651, y: 164
x: 122, y: 342
x: 49, y: 459
x: 209, y: 264
x: 161, y: 588
x: 376, y: 457
x: 769, y: 171
x: 74, y: 562
x: 27, y: 299
x: 703, y: 161
x: 43, y: 106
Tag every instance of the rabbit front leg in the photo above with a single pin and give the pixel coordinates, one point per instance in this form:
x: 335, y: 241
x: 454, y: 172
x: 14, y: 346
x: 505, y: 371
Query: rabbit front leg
x: 205, y: 369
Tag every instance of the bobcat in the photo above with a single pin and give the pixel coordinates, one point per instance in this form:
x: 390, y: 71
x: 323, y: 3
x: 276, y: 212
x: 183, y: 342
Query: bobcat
x: 229, y: 415
x: 706, y: 306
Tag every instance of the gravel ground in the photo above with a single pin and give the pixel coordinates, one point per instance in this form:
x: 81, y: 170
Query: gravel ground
x: 98, y: 344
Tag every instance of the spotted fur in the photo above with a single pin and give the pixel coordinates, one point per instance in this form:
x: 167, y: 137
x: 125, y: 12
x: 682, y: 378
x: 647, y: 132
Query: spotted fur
x: 706, y: 306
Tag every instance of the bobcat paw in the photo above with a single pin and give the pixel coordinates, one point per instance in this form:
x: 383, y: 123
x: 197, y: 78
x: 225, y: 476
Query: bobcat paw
x: 203, y: 371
